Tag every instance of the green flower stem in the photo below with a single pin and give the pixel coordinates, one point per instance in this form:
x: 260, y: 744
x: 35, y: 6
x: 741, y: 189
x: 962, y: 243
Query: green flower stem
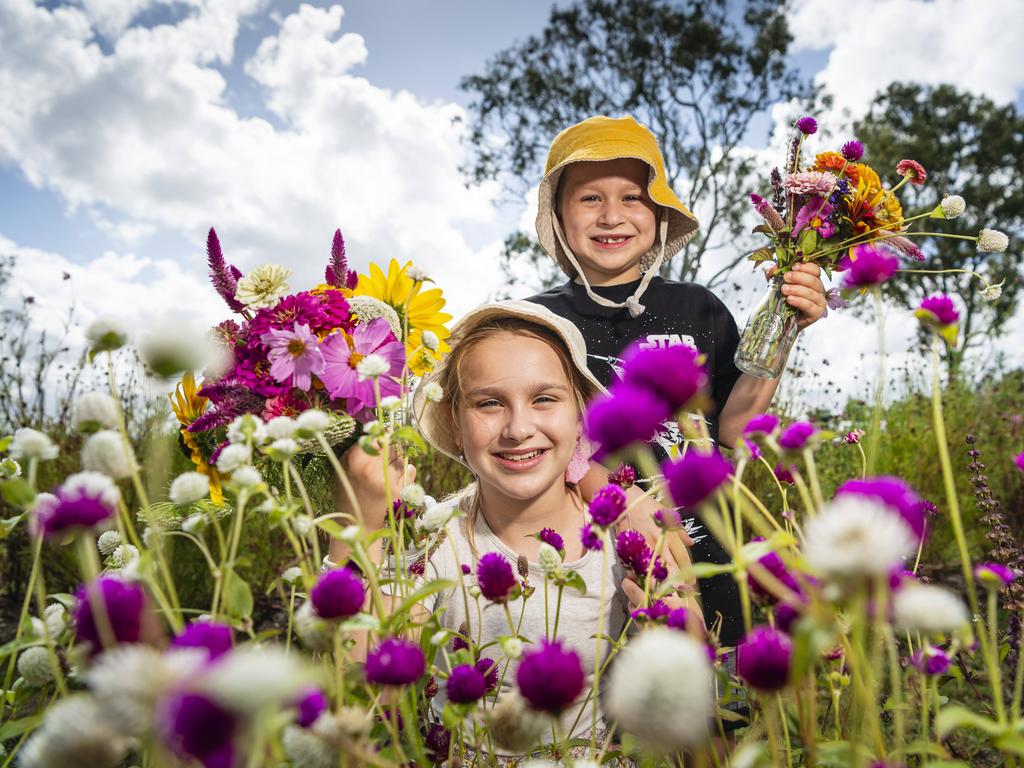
x: 812, y: 476
x: 304, y: 495
x: 1018, y: 685
x: 863, y: 461
x: 876, y: 410
x: 805, y: 493
x: 756, y: 503
x: 291, y: 620
x: 558, y: 605
x: 920, y: 546
x: 342, y: 476
x: 227, y: 568
x: 37, y: 548
x: 996, y: 671
x: 599, y: 640
x: 51, y: 644
x: 785, y: 731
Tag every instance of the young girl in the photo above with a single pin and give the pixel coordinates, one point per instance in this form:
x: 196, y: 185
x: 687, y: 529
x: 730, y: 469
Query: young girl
x: 514, y: 389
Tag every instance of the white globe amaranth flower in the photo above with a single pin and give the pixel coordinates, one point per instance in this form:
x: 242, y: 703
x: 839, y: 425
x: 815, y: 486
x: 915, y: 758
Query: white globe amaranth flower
x: 94, y: 411
x: 280, y: 427
x: 32, y: 444
x: 349, y: 721
x: 36, y: 627
x: 194, y: 524
x: 247, y: 427
x: 992, y: 291
x: 9, y: 469
x: 189, y: 487
x: 247, y: 477
x: 305, y: 748
x: 252, y: 678
x: 169, y: 351
x: 312, y: 421
x: 390, y: 403
x: 661, y: 690
x: 372, y: 366
x: 34, y: 666
x: 263, y: 287
x: 433, y: 392
x: 292, y: 575
x: 417, y: 274
x: 107, y: 542
x: 928, y: 608
x: 151, y: 537
x: 430, y: 340
x: 124, y: 555
x: 548, y: 558
x: 374, y: 428
x: 951, y: 206
x: 513, y: 725
x: 302, y: 525
x: 992, y: 241
x: 76, y: 733
x: 313, y: 632
x: 105, y: 334
x: 350, y: 534
x: 855, y: 536
x: 108, y: 452
x: 436, y: 517
x: 283, y: 449
x: 55, y: 617
x: 234, y: 457
x: 512, y: 647
x: 95, y: 484
x: 414, y: 495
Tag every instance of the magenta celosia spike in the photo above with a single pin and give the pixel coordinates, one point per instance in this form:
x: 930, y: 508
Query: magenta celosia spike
x: 337, y: 271
x: 223, y: 278
x: 352, y: 280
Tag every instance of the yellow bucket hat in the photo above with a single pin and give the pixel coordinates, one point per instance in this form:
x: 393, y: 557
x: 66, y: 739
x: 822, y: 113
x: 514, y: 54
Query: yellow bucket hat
x: 603, y: 138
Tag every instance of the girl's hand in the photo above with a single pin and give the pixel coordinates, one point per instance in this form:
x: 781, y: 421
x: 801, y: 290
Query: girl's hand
x: 366, y: 475
x: 804, y: 291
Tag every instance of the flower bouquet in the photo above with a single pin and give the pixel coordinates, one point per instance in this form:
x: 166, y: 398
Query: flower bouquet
x: 341, y: 348
x: 827, y: 212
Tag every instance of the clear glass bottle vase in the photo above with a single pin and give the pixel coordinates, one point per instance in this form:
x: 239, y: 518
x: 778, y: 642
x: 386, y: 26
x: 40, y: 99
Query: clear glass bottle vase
x: 769, y: 335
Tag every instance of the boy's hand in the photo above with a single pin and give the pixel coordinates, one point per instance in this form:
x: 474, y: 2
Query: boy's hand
x: 804, y: 291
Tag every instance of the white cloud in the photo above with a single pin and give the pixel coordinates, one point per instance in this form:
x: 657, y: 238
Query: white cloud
x: 147, y: 132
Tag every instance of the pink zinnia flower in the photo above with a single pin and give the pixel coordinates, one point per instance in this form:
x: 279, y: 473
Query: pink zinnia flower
x: 912, y: 170
x: 294, y: 355
x: 818, y: 183
x: 342, y: 354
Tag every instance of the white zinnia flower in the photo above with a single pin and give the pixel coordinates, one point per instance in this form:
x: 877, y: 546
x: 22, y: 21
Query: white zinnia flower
x: 76, y: 733
x: 234, y: 457
x: 106, y: 334
x: 928, y: 608
x: 436, y: 517
x: 108, y: 542
x: 93, y: 484
x: 189, y: 487
x: 247, y: 427
x: 123, y: 555
x: 305, y: 748
x: 430, y: 340
x: 32, y: 444
x: 108, y: 452
x: 292, y: 575
x: 856, y: 536
x: 263, y: 287
x: 548, y: 558
x: 413, y: 494
x: 661, y: 689
x: 992, y: 241
x: 312, y: 421
x: 34, y: 666
x: 280, y: 427
x: 952, y: 206
x: 94, y: 411
x: 246, y: 477
x: 252, y: 678
x: 372, y: 366
x: 992, y: 291
x: 55, y: 618
x: 433, y: 392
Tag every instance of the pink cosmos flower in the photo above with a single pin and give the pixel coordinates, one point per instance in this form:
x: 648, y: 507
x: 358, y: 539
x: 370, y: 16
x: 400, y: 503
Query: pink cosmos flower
x: 814, y: 215
x: 294, y: 355
x: 342, y: 354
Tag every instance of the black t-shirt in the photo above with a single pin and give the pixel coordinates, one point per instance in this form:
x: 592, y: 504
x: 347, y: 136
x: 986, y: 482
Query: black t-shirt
x: 676, y: 313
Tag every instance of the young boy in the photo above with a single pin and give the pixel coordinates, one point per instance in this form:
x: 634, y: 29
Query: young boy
x: 607, y: 215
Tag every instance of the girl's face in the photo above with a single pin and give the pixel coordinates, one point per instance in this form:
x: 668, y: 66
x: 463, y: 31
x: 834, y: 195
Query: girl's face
x: 608, y: 219
x: 517, y: 420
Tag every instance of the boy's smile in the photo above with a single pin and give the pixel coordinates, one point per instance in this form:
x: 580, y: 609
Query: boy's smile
x: 608, y: 218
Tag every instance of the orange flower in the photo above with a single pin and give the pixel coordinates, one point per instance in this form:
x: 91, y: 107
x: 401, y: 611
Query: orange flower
x: 833, y: 162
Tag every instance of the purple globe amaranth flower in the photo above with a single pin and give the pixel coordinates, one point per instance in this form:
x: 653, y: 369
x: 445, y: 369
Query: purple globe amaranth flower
x: 672, y: 373
x: 785, y: 474
x: 938, y: 309
x: 853, y: 436
x: 807, y: 125
x: 632, y: 550
x: 895, y: 494
x: 85, y: 500
x: 1019, y: 461
x: 438, y: 742
x: 931, y: 660
x: 553, y: 539
x: 774, y: 565
x: 627, y: 415
x: 867, y: 266
x: 607, y: 505
x: 668, y: 519
x: 591, y: 539
x: 550, y: 678
x: 678, y: 618
x: 310, y: 705
x: 852, y: 151
x: 466, y: 570
x: 763, y: 659
x: 797, y: 436
x: 994, y: 575
x: 762, y: 424
x: 495, y: 578
x: 395, y: 662
x: 123, y: 602
x: 624, y: 475
x: 752, y: 448
x: 786, y: 615
x: 195, y: 726
x: 212, y: 636
x: 489, y: 669
x: 656, y: 611
x: 338, y: 594
x: 695, y: 477
x: 466, y: 684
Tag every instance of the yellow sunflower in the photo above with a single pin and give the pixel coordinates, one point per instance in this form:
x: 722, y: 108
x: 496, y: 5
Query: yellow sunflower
x: 418, y: 310
x: 188, y: 406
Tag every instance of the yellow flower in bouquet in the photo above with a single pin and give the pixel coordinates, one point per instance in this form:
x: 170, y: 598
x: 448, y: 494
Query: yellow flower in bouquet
x: 871, y: 206
x: 418, y: 310
x: 188, y: 406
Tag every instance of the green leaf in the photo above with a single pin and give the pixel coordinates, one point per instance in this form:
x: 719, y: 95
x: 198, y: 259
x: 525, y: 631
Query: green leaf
x: 707, y: 570
x: 238, y: 600
x: 409, y: 435
x: 453, y: 714
x: 574, y: 580
x: 14, y: 728
x: 809, y: 640
x: 808, y: 241
x: 425, y: 590
x: 5, y: 442
x: 7, y: 526
x: 14, y: 646
x: 951, y: 718
x: 17, y: 492
x: 1011, y: 742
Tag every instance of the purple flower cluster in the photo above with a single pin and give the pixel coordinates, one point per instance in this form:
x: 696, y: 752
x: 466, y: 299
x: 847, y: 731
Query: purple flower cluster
x: 763, y: 659
x: 591, y: 539
x: 495, y: 578
x: 938, y: 309
x: 338, y: 594
x: 395, y: 662
x: 215, y: 638
x: 867, y: 266
x: 311, y: 704
x: 224, y: 276
x: 695, y: 477
x: 994, y: 575
x: 123, y: 602
x: 80, y: 504
x: 625, y: 416
x: 550, y: 678
x: 762, y: 424
x: 852, y: 151
x: 668, y: 519
x: 553, y: 539
x: 931, y: 661
x: 489, y: 669
x: 807, y: 125
x: 797, y: 436
x: 634, y: 553
x: 195, y: 726
x: 624, y: 475
x: 607, y: 505
x: 656, y: 611
x: 784, y: 474
x: 337, y: 273
x: 466, y: 684
x: 773, y: 564
x: 895, y: 494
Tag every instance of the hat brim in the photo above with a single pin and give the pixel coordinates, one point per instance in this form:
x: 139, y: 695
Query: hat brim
x: 434, y: 420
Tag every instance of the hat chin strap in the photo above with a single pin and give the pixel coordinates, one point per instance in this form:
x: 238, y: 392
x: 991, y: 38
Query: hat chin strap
x: 632, y: 304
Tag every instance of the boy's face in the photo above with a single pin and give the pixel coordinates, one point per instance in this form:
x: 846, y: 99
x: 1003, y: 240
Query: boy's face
x: 608, y: 219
